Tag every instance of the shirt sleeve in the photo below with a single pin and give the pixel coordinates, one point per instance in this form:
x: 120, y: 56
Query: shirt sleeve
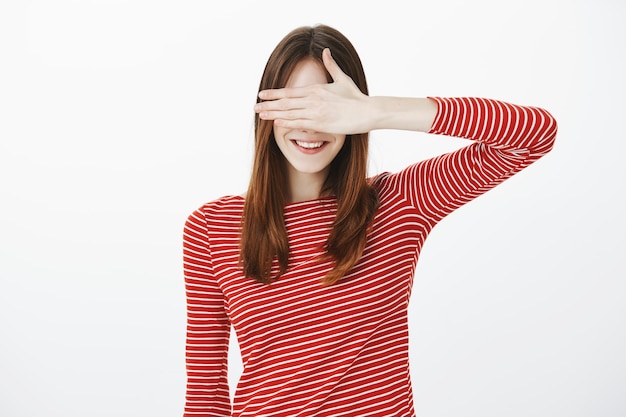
x: 507, y: 138
x: 208, y: 327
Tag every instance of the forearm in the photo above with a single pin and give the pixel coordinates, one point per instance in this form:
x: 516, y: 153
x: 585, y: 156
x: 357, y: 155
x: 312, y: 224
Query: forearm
x: 402, y: 113
x: 496, y: 123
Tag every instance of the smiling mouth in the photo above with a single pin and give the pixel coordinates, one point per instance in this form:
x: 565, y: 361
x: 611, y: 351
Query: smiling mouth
x: 309, y: 145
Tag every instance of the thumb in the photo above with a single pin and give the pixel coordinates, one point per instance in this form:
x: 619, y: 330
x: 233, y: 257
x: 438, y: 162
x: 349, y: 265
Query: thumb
x: 331, y: 66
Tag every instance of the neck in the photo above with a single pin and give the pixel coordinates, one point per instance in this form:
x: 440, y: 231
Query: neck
x: 304, y: 186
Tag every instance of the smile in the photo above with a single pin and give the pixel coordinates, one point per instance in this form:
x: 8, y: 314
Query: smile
x: 309, y: 145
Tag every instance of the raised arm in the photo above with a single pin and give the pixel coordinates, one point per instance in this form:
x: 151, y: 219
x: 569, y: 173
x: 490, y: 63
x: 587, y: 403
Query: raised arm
x: 340, y: 107
x: 507, y: 138
x: 208, y: 327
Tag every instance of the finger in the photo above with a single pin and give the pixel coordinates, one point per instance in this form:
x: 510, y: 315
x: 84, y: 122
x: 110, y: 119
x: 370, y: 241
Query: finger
x: 283, y: 114
x: 280, y: 104
x: 287, y: 92
x: 297, y: 124
x: 331, y: 65
x: 273, y: 94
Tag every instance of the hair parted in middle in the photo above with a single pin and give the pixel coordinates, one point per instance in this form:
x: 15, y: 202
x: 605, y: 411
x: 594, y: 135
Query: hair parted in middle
x: 264, y: 235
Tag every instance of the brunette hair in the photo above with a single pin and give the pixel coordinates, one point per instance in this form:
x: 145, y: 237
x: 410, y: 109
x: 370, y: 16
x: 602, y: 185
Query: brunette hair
x: 264, y: 236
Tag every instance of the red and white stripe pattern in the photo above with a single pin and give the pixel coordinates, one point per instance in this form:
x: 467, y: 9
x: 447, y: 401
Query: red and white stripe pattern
x: 310, y: 350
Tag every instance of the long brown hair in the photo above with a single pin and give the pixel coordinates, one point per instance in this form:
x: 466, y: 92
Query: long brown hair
x: 264, y: 236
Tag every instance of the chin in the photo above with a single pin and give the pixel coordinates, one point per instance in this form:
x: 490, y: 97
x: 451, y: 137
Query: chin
x: 311, y: 170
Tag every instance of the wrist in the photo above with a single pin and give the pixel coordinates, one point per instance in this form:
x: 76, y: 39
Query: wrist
x: 403, y: 113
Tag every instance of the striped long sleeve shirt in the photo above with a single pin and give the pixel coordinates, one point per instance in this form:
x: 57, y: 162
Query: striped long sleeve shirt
x: 340, y: 350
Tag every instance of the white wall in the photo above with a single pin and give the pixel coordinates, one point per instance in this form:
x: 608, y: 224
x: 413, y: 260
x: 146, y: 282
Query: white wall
x: 118, y: 118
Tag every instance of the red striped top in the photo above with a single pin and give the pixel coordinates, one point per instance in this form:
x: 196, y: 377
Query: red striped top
x: 310, y: 350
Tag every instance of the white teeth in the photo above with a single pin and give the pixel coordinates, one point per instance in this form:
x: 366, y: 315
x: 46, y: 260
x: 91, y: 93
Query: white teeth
x: 309, y: 145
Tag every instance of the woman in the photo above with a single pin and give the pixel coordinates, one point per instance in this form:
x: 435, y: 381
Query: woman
x: 313, y: 267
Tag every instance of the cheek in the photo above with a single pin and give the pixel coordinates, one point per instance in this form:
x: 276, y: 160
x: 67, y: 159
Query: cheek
x: 279, y: 132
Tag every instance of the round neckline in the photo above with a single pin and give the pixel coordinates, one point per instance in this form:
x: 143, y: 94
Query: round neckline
x: 312, y: 201
x: 303, y: 203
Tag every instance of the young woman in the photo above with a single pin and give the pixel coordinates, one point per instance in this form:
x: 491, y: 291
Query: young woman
x: 313, y: 266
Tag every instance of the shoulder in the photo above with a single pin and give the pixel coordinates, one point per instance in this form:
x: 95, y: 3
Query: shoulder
x: 389, y: 183
x: 222, y: 207
x: 219, y: 217
x: 222, y: 214
x: 379, y: 180
x: 405, y: 183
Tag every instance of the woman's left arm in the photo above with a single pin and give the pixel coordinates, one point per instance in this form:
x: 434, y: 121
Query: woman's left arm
x: 507, y: 137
